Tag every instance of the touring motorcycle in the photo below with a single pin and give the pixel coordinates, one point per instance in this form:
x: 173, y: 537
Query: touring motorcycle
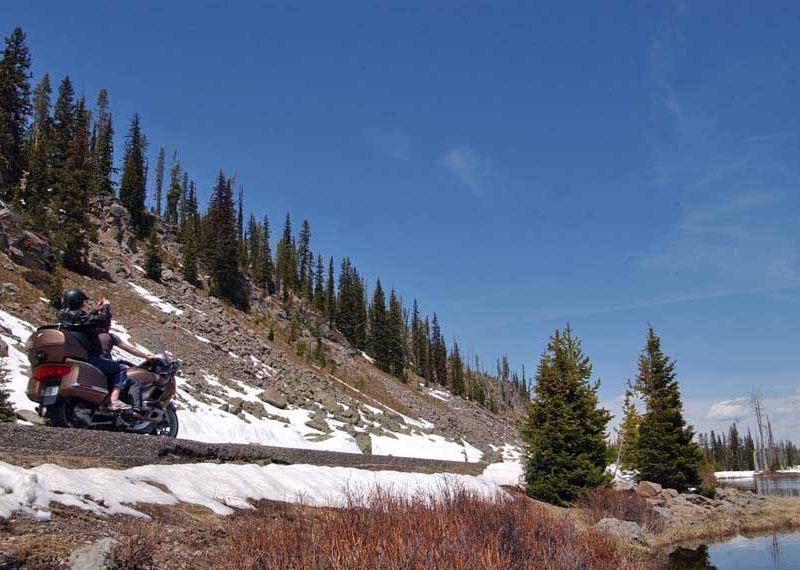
x: 73, y: 393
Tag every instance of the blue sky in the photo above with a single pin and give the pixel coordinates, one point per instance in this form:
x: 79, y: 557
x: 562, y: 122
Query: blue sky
x: 513, y: 166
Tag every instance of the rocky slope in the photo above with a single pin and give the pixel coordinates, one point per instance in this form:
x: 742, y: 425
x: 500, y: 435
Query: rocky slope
x: 237, y: 385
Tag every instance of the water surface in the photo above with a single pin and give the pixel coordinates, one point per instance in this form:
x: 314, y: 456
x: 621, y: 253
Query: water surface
x: 781, y: 485
x: 779, y: 551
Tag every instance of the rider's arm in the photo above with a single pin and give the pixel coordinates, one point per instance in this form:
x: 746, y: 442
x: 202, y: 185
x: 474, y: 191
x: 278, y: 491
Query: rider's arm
x: 130, y: 349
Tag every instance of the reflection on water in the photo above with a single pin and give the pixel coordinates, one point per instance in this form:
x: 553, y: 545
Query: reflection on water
x: 780, y: 551
x: 781, y: 485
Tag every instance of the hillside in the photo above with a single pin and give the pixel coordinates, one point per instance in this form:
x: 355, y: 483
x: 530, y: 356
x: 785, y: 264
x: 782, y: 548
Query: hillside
x: 237, y: 385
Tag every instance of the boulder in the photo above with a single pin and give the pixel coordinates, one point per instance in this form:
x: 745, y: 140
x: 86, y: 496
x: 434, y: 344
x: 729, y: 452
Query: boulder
x: 626, y: 531
x: 670, y: 493
x: 30, y: 416
x: 648, y: 489
x: 10, y: 288
x: 274, y: 398
x: 364, y: 442
x: 96, y: 556
x: 31, y: 251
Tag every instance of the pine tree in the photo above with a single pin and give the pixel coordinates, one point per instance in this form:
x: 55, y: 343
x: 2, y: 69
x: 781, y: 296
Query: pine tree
x: 379, y: 329
x: 152, y: 258
x: 457, y: 385
x: 225, y: 272
x: 74, y: 230
x: 103, y: 147
x: 396, y: 337
x: 174, y: 191
x: 286, y: 264
x: 629, y: 430
x: 330, y: 294
x: 267, y: 274
x: 252, y: 254
x: 159, y: 179
x: 15, y: 107
x: 189, y: 262
x: 133, y: 186
x: 438, y: 354
x: 319, y: 287
x: 351, y: 305
x: 305, y: 260
x: 665, y: 451
x: 6, y: 409
x: 564, y: 433
x: 63, y: 126
x: 40, y: 177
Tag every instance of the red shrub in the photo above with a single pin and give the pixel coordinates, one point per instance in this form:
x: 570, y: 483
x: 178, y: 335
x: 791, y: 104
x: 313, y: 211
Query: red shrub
x: 622, y: 505
x: 455, y: 530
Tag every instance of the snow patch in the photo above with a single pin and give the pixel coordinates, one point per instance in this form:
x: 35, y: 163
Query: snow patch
x: 155, y: 301
x: 218, y: 487
x: 202, y: 338
x: 425, y: 446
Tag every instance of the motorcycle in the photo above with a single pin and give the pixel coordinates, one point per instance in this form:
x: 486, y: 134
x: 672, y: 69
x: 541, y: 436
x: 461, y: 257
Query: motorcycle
x: 73, y: 393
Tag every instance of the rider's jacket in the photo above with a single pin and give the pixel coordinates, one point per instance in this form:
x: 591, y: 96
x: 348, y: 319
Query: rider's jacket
x: 85, y: 323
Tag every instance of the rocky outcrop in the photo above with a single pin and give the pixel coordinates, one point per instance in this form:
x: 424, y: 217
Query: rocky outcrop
x: 626, y: 531
x: 95, y: 556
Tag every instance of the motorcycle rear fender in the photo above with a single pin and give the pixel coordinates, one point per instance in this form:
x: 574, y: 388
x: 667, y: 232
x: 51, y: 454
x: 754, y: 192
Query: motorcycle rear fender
x: 84, y: 382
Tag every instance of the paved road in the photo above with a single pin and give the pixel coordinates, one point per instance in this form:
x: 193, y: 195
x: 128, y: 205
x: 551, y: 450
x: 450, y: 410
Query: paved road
x: 26, y: 445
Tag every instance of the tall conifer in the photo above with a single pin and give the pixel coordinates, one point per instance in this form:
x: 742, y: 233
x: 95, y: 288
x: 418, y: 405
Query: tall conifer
x: 564, y: 433
x: 666, y: 453
x: 159, y: 180
x: 15, y: 107
x: 133, y: 186
x: 40, y: 177
x: 103, y: 147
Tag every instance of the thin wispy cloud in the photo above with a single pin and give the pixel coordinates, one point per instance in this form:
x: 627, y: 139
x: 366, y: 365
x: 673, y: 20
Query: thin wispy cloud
x: 391, y: 142
x: 736, y: 191
x: 469, y: 168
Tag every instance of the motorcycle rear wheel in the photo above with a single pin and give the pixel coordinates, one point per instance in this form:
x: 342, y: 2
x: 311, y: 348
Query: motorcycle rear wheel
x: 57, y: 414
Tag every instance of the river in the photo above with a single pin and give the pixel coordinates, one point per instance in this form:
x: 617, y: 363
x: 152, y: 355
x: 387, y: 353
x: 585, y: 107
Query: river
x: 778, y: 551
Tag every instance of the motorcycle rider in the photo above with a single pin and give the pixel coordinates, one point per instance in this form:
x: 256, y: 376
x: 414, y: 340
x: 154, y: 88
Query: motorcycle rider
x: 73, y: 316
x: 108, y: 341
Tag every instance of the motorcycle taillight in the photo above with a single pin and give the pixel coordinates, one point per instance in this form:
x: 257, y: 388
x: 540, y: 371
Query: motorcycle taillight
x: 47, y: 371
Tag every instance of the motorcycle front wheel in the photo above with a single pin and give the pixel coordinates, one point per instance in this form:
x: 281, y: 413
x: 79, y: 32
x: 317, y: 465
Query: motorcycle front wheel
x: 168, y: 427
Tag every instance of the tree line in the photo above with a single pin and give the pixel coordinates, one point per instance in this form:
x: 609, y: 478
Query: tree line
x: 58, y: 158
x: 731, y: 451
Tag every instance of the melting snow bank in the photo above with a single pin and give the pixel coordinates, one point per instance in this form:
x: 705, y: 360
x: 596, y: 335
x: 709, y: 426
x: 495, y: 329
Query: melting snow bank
x: 220, y: 488
x: 155, y: 301
x: 751, y: 474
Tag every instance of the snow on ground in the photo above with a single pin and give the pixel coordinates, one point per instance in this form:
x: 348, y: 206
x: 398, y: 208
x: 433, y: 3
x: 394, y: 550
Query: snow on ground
x: 215, y: 486
x: 155, y: 301
x: 367, y: 357
x: 17, y: 362
x: 204, y: 422
x: 202, y: 338
x: 505, y: 473
x: 425, y: 446
x: 735, y: 474
x: 623, y: 479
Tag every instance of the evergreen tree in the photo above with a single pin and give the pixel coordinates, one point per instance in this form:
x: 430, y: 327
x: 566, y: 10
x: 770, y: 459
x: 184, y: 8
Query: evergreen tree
x: 629, y: 430
x: 286, y: 264
x: 15, y: 107
x: 665, y: 451
x: 63, y: 126
x: 330, y: 294
x: 159, y: 179
x: 40, y: 177
x: 73, y: 227
x: 174, y: 191
x: 438, y: 354
x: 350, y: 305
x: 305, y: 260
x: 379, y: 329
x: 457, y: 385
x: 6, y: 409
x: 189, y: 262
x: 319, y: 287
x: 103, y: 147
x: 252, y: 253
x: 224, y: 267
x: 152, y: 258
x: 564, y: 433
x: 133, y: 186
x: 267, y: 278
x: 396, y: 336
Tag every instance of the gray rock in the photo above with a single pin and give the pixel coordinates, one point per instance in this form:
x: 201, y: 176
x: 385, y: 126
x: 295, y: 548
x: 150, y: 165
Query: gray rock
x: 648, y: 489
x: 274, y: 398
x: 30, y: 416
x: 626, y: 531
x: 364, y: 442
x: 669, y: 493
x: 96, y: 556
x: 10, y: 287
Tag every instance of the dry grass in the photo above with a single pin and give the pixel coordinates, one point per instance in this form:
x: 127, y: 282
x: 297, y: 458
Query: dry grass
x: 139, y: 549
x: 454, y: 530
x: 622, y: 505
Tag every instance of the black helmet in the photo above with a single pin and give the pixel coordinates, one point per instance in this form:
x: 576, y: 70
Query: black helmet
x: 73, y: 299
